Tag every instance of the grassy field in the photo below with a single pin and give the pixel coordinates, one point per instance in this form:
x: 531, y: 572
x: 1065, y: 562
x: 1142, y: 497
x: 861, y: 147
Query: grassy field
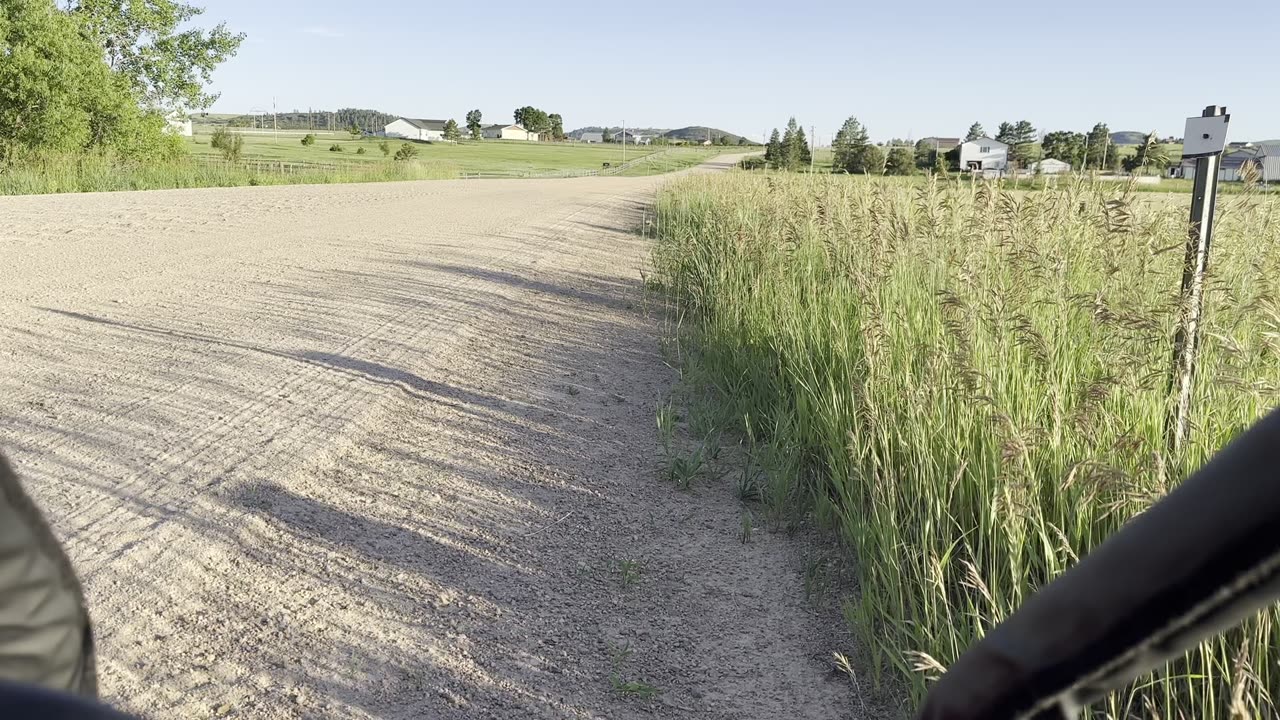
x: 679, y: 159
x: 966, y: 386
x: 467, y: 156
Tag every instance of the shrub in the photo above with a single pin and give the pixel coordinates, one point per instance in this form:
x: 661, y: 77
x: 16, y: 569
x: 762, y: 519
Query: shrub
x: 755, y: 162
x: 385, y: 147
x: 230, y: 144
x: 335, y: 148
x: 359, y: 151
x: 406, y: 152
x: 309, y: 140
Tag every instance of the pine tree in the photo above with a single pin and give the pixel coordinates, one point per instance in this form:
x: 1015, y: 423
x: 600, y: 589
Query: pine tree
x: 1005, y: 133
x: 975, y: 132
x: 773, y: 151
x: 789, y: 158
x: 850, y: 140
x: 451, y: 131
x: 800, y: 150
x: 1100, y: 152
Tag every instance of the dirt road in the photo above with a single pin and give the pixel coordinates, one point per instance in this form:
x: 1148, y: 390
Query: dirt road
x: 387, y: 451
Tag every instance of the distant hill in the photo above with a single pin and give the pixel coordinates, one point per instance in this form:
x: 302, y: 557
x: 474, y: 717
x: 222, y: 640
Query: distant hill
x: 1128, y: 137
x: 699, y: 133
x: 692, y: 134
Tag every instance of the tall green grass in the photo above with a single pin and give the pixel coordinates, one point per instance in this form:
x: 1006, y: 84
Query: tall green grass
x: 968, y: 385
x: 97, y: 173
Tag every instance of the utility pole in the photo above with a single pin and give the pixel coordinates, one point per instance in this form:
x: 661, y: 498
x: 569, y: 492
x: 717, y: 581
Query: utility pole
x: 813, y: 145
x: 1205, y: 139
x: 624, y: 142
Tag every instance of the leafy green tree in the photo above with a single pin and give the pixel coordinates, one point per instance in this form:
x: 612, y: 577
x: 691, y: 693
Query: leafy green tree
x: 533, y: 119
x: 847, y: 147
x: 555, y: 126
x: 742, y: 141
x: 773, y: 151
x: 474, y: 126
x: 975, y: 132
x: 57, y: 93
x: 451, y: 131
x: 355, y: 131
x: 308, y: 140
x: 901, y: 161
x: 924, y: 154
x: 153, y: 45
x: 872, y: 160
x: 406, y: 151
x: 1066, y: 146
x: 385, y: 147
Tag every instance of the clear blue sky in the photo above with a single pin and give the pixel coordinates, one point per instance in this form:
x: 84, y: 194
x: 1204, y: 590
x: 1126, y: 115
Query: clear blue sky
x: 921, y: 68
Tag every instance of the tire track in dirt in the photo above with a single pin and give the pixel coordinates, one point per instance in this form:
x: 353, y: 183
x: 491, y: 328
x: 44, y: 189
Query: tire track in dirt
x: 377, y: 451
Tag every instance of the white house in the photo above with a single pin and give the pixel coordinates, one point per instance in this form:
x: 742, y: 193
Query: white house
x: 509, y: 132
x: 591, y: 137
x: 984, y: 153
x: 1050, y: 166
x: 416, y: 129
x: 178, y: 124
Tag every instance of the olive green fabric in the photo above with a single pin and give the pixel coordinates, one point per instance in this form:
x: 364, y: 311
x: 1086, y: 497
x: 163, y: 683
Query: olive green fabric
x: 45, y: 637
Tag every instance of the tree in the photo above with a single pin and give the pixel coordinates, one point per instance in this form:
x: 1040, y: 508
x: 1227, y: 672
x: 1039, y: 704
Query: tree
x: 742, y: 141
x: 406, y: 152
x: 555, y: 125
x: 975, y: 132
x: 228, y: 143
x: 849, y: 141
x: 1022, y: 141
x: 532, y: 119
x: 724, y: 140
x: 800, y: 150
x: 355, y: 131
x: 773, y: 151
x: 385, y: 147
x: 308, y: 140
x: 1005, y: 133
x: 474, y: 119
x: 152, y: 45
x: 451, y: 131
x: 1066, y: 146
x: 1100, y: 151
x: 901, y: 161
x: 57, y: 93
x: 1149, y: 153
x: 872, y: 160
x: 924, y: 155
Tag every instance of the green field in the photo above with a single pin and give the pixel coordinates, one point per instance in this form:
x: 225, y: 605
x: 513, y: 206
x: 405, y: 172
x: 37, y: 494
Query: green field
x: 966, y: 386
x: 496, y: 156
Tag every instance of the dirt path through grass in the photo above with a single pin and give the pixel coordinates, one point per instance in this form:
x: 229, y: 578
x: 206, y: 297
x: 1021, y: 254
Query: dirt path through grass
x: 384, y: 451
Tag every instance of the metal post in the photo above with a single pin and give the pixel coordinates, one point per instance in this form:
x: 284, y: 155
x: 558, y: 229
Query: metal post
x: 1195, y: 264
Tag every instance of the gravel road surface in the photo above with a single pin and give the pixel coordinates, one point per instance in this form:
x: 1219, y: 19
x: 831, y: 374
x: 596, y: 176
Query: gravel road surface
x: 384, y: 451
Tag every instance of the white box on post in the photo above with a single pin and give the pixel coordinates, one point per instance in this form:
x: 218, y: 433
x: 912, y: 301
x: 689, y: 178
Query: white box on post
x: 1205, y: 136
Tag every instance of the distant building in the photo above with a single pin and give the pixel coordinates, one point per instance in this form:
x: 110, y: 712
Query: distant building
x: 941, y: 144
x: 1050, y: 166
x: 984, y: 154
x: 416, y: 129
x: 1266, y: 158
x: 509, y: 132
x: 178, y: 124
x: 591, y: 137
x: 632, y: 138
